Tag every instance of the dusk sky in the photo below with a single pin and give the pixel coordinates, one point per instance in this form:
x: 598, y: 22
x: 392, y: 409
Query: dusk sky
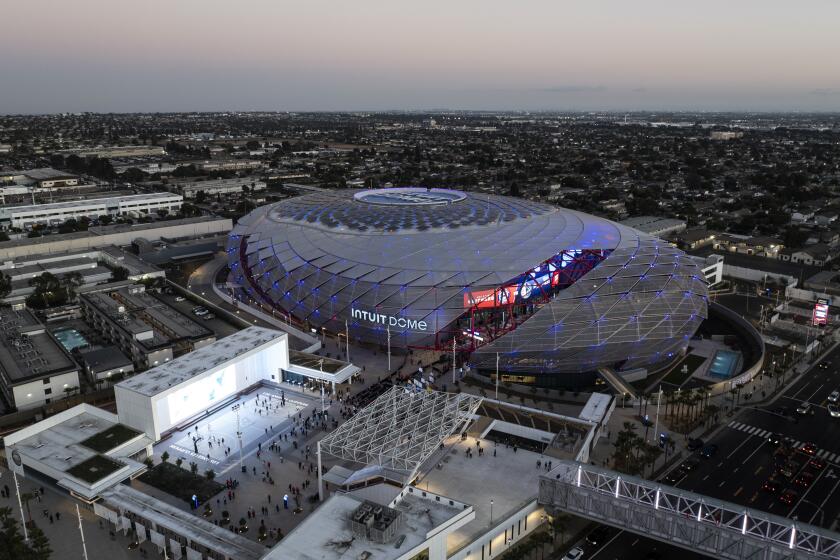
x: 179, y: 55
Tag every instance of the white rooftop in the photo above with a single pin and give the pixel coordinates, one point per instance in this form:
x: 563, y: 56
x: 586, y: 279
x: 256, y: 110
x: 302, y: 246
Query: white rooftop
x: 596, y: 408
x: 198, y: 530
x: 327, y: 535
x: 56, y: 443
x: 510, y: 479
x: 184, y: 368
x: 105, y: 201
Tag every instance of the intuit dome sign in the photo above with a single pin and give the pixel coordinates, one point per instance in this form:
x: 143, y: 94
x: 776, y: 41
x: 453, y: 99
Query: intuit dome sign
x: 389, y: 320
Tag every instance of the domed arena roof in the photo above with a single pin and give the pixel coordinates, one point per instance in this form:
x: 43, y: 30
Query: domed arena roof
x: 390, y: 259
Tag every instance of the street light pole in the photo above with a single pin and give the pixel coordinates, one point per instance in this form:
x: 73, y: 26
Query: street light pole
x: 497, y: 376
x: 347, y: 336
x: 453, y: 360
x: 82, y: 533
x: 658, y: 401
x: 389, y: 349
x: 235, y: 409
x: 20, y: 505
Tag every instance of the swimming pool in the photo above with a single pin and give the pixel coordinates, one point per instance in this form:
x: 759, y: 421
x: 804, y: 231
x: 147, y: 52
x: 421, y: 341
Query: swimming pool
x: 70, y: 339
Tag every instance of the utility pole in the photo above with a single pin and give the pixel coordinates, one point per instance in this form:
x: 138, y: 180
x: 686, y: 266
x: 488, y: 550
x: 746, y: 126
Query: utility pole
x: 82, y: 533
x: 20, y: 505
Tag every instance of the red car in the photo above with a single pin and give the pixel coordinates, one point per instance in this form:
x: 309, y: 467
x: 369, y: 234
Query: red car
x: 808, y: 448
x: 804, y: 480
x: 816, y: 464
x: 789, y: 497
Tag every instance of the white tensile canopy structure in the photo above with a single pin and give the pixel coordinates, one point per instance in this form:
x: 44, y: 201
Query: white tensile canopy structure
x: 400, y: 430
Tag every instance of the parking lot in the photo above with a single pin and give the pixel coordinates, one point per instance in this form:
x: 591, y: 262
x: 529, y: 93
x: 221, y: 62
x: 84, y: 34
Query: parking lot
x: 186, y: 306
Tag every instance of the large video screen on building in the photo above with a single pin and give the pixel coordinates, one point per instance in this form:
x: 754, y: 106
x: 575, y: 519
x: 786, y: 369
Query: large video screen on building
x: 202, y: 394
x: 821, y: 312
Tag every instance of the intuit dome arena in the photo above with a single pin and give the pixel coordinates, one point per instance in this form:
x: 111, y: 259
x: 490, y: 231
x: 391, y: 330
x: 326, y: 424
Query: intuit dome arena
x: 550, y: 291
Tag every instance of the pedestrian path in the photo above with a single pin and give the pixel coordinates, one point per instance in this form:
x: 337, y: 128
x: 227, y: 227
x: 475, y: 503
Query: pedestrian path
x: 758, y: 432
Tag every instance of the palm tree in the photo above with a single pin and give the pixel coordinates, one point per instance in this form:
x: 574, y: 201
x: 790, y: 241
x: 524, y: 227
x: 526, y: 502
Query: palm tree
x: 559, y: 524
x: 26, y: 497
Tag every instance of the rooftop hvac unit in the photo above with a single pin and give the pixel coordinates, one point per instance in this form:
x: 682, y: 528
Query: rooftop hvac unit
x: 375, y: 522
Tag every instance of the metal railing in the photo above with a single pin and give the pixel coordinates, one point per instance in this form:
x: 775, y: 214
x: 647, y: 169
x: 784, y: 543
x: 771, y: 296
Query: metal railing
x: 693, y: 521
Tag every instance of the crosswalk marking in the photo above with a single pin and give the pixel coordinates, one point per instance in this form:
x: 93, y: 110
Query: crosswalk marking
x: 758, y: 432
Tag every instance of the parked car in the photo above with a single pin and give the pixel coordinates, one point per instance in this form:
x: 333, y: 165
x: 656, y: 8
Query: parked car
x: 199, y: 311
x: 208, y: 316
x: 833, y: 410
x: 834, y: 396
x: 180, y: 298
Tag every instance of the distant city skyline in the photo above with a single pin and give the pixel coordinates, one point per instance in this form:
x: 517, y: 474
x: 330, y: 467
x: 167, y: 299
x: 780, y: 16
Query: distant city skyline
x: 371, y: 55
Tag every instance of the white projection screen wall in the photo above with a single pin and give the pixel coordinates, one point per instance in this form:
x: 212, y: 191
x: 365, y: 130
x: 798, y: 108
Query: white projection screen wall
x: 200, y: 395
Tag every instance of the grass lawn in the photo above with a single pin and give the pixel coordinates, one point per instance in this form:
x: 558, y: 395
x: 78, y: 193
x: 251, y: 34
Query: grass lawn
x: 677, y: 377
x: 181, y: 483
x: 107, y: 440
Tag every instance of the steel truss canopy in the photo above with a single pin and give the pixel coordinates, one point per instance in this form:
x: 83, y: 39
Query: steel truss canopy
x: 693, y: 521
x: 401, y: 429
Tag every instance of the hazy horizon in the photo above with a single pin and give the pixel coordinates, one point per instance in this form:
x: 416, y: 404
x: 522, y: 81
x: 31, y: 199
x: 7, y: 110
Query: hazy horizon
x: 370, y: 55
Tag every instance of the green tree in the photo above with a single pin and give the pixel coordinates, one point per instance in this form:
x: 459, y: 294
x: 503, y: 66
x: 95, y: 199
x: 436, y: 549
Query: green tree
x: 72, y: 282
x: 164, y: 457
x: 48, y: 291
x: 119, y: 273
x: 12, y: 545
x: 5, y: 285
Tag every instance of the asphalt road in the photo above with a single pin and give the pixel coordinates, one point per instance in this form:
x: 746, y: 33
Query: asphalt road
x: 746, y: 459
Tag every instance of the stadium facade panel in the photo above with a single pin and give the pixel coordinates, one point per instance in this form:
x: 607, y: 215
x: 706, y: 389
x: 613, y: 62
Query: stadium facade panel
x: 548, y: 290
